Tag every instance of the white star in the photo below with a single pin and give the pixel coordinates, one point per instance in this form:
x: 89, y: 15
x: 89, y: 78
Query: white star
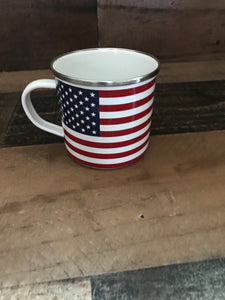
x: 75, y: 96
x: 87, y: 118
x: 88, y: 127
x: 80, y: 92
x: 73, y: 118
x: 92, y: 94
x: 87, y: 108
x: 66, y: 122
x: 66, y: 93
x: 69, y: 120
x: 76, y: 106
x: 86, y: 98
x: 64, y: 105
x: 63, y: 96
x: 94, y: 132
x: 93, y: 114
x: 67, y: 102
x: 78, y: 124
x: 71, y: 109
x: 81, y: 112
x: 65, y: 114
x: 62, y: 86
x: 71, y: 100
x: 93, y: 123
x: 81, y: 102
x: 74, y: 126
x: 70, y: 90
x: 83, y: 130
x: 82, y: 121
x: 77, y: 115
x: 92, y: 104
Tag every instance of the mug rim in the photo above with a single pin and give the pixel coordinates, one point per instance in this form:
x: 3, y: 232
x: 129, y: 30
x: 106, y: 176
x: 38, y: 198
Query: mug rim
x: 78, y: 81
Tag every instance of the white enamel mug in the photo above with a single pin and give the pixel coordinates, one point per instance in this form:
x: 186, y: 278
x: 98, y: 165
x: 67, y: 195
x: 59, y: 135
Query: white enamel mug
x: 106, y: 99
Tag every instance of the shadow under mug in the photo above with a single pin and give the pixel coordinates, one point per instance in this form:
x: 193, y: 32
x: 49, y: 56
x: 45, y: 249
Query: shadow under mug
x: 106, y: 98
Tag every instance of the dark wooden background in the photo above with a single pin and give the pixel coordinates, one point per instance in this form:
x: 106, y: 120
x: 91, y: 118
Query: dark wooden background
x: 173, y: 30
x: 33, y: 32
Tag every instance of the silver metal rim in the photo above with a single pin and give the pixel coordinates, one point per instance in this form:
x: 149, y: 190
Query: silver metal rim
x: 104, y: 83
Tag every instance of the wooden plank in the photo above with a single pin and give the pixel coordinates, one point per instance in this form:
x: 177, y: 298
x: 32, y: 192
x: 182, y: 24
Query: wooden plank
x: 74, y: 289
x: 7, y: 109
x: 169, y: 72
x: 171, y: 30
x: 178, y: 107
x: 191, y: 71
x: 34, y: 32
x: 181, y: 4
x: 189, y: 107
x: 17, y: 129
x: 58, y: 218
x: 17, y: 80
x: 199, y: 280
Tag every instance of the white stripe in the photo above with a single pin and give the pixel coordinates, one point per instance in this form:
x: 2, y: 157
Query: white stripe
x: 125, y: 125
x: 125, y: 113
x: 107, y: 150
x: 107, y: 161
x: 98, y: 139
x: 125, y: 99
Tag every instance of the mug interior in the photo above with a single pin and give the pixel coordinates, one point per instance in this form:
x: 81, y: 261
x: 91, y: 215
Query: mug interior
x: 110, y: 65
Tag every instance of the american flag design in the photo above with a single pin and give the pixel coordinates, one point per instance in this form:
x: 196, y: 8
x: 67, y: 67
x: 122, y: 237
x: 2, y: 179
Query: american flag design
x: 107, y: 127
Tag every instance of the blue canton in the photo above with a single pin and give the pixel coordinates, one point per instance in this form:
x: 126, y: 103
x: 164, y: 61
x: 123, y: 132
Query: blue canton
x: 79, y: 108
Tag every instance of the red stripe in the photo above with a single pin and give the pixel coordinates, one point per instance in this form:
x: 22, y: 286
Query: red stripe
x: 126, y: 92
x: 101, y: 166
x: 105, y: 145
x: 125, y: 119
x: 104, y: 155
x: 126, y: 106
x: 125, y: 131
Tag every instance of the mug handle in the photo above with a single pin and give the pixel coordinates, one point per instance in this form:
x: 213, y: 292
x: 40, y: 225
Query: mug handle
x: 31, y: 112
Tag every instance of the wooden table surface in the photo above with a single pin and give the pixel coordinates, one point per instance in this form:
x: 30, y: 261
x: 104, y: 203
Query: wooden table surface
x: 60, y: 220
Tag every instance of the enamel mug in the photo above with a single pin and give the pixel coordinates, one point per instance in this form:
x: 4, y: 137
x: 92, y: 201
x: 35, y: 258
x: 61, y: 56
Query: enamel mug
x: 106, y: 99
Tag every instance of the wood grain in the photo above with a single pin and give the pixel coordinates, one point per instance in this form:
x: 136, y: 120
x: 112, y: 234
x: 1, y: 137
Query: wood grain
x: 60, y: 220
x: 189, y: 107
x: 169, y: 72
x: 34, y: 32
x: 17, y: 129
x: 73, y: 289
x: 171, y: 30
x: 7, y: 110
x: 178, y: 107
x: 199, y: 280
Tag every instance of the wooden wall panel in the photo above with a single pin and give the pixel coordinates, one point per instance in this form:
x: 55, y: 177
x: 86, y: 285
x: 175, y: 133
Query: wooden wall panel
x: 172, y: 30
x: 33, y: 32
